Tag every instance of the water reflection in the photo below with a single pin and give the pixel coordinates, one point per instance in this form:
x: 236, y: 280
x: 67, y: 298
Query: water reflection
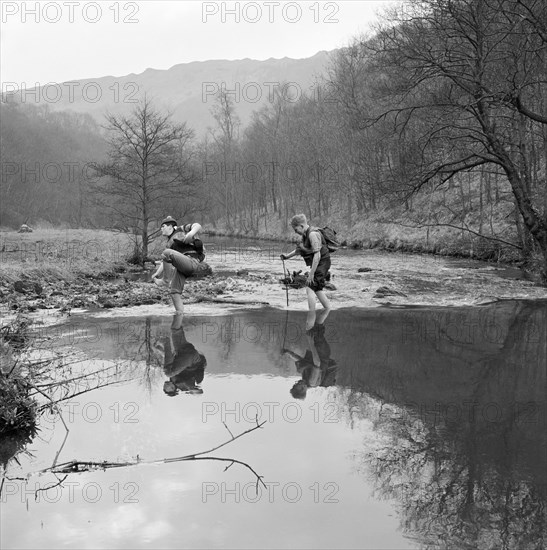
x: 316, y: 367
x: 463, y: 444
x: 183, y: 364
x: 438, y: 411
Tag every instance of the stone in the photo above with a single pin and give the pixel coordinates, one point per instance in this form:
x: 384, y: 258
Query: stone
x: 27, y: 287
x: 384, y: 291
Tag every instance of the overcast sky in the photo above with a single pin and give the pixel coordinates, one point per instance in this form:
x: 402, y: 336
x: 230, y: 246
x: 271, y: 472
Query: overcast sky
x: 56, y: 41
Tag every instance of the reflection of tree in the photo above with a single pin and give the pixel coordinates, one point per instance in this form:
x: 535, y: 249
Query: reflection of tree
x: 37, y: 375
x: 265, y: 331
x: 137, y: 353
x: 147, y: 354
x: 471, y: 480
x: 62, y: 372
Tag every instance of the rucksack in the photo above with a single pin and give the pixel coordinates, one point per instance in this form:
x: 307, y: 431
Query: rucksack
x: 333, y: 244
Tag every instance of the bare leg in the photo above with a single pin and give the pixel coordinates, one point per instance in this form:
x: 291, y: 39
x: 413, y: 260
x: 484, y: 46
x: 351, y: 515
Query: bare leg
x: 321, y: 318
x: 177, y: 302
x: 323, y: 299
x: 310, y: 319
x: 177, y: 319
x: 311, y: 298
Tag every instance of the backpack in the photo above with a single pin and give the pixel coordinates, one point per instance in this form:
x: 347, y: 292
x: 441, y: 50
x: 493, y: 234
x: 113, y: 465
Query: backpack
x: 329, y: 234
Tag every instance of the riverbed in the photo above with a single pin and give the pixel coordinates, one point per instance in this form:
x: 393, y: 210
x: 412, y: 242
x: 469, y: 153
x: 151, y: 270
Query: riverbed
x: 423, y: 423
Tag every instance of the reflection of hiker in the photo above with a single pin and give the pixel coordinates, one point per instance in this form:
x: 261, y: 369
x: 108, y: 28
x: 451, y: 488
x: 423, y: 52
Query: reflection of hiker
x: 316, y: 366
x: 180, y: 259
x: 183, y: 364
x: 316, y: 254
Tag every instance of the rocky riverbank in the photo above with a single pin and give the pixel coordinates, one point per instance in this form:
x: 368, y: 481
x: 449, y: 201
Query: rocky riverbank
x: 360, y: 278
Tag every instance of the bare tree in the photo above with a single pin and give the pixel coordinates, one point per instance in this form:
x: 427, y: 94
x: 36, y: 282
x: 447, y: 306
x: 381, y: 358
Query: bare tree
x: 147, y: 168
x: 469, y: 77
x: 226, y: 138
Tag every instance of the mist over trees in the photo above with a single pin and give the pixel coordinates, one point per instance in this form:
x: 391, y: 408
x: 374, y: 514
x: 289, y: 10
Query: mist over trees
x: 45, y: 163
x: 436, y: 119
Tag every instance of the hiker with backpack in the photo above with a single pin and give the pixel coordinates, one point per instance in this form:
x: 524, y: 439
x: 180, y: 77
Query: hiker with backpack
x: 316, y: 255
x: 180, y: 259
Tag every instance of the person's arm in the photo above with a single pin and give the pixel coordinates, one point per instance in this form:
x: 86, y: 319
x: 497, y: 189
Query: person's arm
x: 159, y: 271
x: 195, y: 229
x: 289, y: 255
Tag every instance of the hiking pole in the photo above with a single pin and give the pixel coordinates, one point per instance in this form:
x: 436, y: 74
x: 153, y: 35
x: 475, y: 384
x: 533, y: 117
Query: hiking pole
x: 285, y: 331
x: 286, y: 274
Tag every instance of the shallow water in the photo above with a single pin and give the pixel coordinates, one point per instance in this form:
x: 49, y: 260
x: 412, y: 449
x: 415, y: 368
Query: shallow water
x: 247, y: 271
x: 422, y: 427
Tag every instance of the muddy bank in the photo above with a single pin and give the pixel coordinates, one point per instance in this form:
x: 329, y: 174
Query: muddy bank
x: 131, y: 288
x: 364, y: 278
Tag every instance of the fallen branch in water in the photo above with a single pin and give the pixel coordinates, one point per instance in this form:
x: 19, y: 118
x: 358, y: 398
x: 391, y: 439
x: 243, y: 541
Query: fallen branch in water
x: 78, y: 466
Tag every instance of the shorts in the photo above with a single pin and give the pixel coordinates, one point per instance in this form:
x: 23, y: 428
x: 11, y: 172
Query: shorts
x: 321, y: 273
x: 177, y: 268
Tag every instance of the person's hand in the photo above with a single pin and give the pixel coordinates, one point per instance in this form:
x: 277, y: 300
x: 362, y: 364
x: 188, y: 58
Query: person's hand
x: 158, y: 346
x: 158, y: 282
x: 309, y: 280
x: 187, y: 238
x: 283, y: 256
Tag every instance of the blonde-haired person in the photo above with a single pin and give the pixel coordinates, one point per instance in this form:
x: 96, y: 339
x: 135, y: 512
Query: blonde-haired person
x: 316, y: 255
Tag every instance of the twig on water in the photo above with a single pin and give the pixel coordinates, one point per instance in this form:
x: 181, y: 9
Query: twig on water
x: 77, y: 466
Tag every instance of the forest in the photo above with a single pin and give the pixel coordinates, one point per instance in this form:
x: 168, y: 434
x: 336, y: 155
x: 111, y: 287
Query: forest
x: 429, y: 134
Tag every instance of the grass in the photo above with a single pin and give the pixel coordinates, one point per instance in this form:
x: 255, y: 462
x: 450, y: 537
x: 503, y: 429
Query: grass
x: 50, y: 254
x: 395, y: 228
x: 18, y: 412
x: 62, y: 254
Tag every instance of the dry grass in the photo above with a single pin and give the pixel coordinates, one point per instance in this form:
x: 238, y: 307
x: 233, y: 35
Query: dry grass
x: 394, y: 228
x: 55, y: 254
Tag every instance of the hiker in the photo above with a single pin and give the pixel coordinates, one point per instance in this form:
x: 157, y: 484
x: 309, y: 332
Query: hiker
x: 180, y: 259
x: 183, y: 364
x: 316, y: 254
x: 316, y: 366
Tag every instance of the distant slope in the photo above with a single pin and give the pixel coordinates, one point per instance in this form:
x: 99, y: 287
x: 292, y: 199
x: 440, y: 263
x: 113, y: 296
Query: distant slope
x: 186, y: 89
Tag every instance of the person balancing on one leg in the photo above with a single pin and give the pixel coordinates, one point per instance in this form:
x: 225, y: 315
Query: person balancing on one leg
x: 180, y: 259
x: 316, y: 254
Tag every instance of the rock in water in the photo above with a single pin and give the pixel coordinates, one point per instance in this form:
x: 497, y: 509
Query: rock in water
x: 26, y: 287
x: 384, y: 291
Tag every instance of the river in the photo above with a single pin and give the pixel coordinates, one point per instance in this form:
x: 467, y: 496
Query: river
x: 399, y: 426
